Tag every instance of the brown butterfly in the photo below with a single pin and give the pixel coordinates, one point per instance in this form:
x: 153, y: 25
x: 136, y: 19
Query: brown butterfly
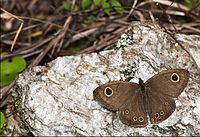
x: 135, y: 101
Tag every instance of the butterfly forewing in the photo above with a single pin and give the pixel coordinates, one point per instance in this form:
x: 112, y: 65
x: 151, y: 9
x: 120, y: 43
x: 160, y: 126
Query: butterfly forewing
x: 121, y: 92
x: 169, y: 82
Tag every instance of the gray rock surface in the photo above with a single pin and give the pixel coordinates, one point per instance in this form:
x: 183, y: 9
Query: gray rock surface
x: 57, y: 99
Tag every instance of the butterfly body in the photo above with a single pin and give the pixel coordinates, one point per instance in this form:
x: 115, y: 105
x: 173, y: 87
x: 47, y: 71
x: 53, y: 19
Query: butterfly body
x: 135, y: 102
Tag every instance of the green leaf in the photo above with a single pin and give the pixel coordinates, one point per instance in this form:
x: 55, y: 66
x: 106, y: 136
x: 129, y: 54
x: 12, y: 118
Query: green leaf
x: 2, y: 119
x: 86, y: 4
x: 117, y: 6
x: 97, y: 2
x: 75, y: 8
x: 9, y: 68
x: 106, y: 6
x: 67, y: 6
x: 188, y: 3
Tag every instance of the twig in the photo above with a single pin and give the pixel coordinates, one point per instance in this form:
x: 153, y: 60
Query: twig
x: 52, y: 43
x: 18, y: 31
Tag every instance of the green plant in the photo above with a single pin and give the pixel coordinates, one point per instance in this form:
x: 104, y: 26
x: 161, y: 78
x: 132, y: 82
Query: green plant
x: 68, y: 6
x: 105, y: 4
x: 10, y: 68
x: 86, y: 4
x: 117, y: 6
x: 188, y: 3
x: 2, y: 119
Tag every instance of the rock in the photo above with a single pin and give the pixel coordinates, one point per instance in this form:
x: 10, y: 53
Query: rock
x: 57, y: 99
